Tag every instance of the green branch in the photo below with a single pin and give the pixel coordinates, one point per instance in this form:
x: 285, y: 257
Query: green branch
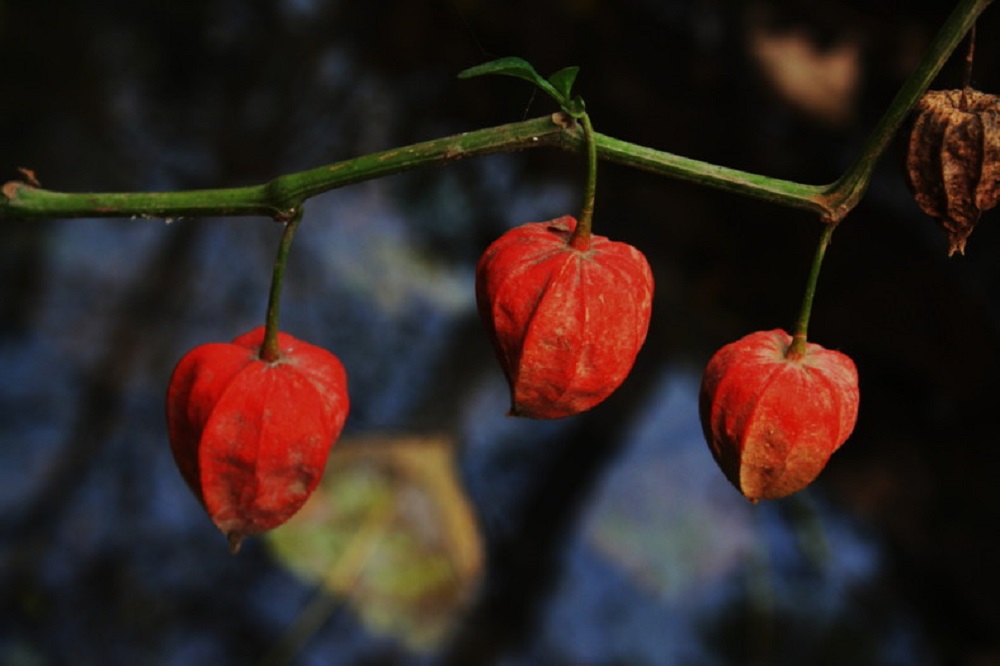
x: 280, y: 197
x: 775, y: 190
x: 841, y: 196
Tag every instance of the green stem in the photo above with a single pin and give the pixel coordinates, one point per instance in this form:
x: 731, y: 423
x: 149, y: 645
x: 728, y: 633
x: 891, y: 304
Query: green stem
x: 798, y: 347
x: 270, y: 350
x: 280, y: 197
x: 841, y: 196
x: 283, y: 194
x: 581, y: 236
x: 774, y: 190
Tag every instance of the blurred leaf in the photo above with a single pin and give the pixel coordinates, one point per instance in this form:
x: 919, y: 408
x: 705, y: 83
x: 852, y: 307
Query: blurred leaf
x: 820, y: 80
x: 390, y: 532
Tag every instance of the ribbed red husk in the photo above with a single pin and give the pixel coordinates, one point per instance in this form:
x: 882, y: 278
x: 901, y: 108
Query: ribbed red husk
x: 566, y: 324
x: 771, y: 422
x: 251, y: 437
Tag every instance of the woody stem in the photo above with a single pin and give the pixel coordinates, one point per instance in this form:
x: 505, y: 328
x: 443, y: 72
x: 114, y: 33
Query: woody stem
x: 970, y: 56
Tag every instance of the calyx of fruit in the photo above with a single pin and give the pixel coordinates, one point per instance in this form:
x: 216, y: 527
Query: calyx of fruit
x: 566, y: 320
x: 771, y: 418
x: 953, y: 159
x: 251, y: 437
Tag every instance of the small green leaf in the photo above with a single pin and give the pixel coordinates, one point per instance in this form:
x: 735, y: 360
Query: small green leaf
x: 510, y: 66
x: 518, y: 68
x: 563, y: 81
x: 575, y: 107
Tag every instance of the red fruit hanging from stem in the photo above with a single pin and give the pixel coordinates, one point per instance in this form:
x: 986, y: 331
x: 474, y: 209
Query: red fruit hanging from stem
x: 775, y: 407
x: 251, y: 436
x: 772, y: 415
x: 566, y: 316
x: 251, y: 422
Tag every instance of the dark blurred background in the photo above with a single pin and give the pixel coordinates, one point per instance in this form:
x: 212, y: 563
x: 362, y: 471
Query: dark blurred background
x: 608, y: 538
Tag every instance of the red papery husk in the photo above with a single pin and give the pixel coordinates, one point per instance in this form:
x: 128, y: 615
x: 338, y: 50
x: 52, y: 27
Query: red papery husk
x: 566, y: 323
x: 772, y: 422
x: 251, y: 437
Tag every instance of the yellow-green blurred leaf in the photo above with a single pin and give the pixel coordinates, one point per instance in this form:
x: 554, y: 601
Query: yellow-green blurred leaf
x: 390, y: 532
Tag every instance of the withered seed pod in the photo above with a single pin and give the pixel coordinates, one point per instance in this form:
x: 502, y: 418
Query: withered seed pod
x: 953, y: 159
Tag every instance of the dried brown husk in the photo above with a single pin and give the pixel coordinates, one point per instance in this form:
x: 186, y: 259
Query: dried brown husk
x: 953, y: 159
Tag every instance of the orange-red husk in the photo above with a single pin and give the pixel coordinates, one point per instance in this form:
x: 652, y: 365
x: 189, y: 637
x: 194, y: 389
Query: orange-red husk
x: 771, y: 422
x: 566, y: 324
x: 251, y: 438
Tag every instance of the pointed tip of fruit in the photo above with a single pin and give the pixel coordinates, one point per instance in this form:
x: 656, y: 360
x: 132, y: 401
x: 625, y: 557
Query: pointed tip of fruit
x: 235, y: 540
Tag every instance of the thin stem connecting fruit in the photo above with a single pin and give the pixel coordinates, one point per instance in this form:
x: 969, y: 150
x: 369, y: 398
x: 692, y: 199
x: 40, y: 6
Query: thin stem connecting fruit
x: 799, y: 337
x: 581, y: 236
x: 270, y: 350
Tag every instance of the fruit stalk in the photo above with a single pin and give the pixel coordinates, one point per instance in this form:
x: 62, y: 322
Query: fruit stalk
x: 799, y: 338
x: 270, y: 350
x: 581, y: 236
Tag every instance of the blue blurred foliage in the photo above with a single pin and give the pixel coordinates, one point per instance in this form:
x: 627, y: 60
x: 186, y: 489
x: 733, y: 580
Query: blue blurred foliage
x: 611, y: 537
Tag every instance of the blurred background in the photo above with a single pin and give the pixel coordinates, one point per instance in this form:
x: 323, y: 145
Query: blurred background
x: 446, y: 532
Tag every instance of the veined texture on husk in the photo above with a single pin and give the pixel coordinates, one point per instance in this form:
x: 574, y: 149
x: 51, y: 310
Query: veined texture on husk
x: 566, y: 323
x: 953, y: 159
x: 251, y: 437
x: 772, y: 422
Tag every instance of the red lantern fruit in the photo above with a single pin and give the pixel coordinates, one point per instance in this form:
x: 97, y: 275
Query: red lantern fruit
x: 251, y: 437
x: 773, y: 418
x: 566, y: 319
